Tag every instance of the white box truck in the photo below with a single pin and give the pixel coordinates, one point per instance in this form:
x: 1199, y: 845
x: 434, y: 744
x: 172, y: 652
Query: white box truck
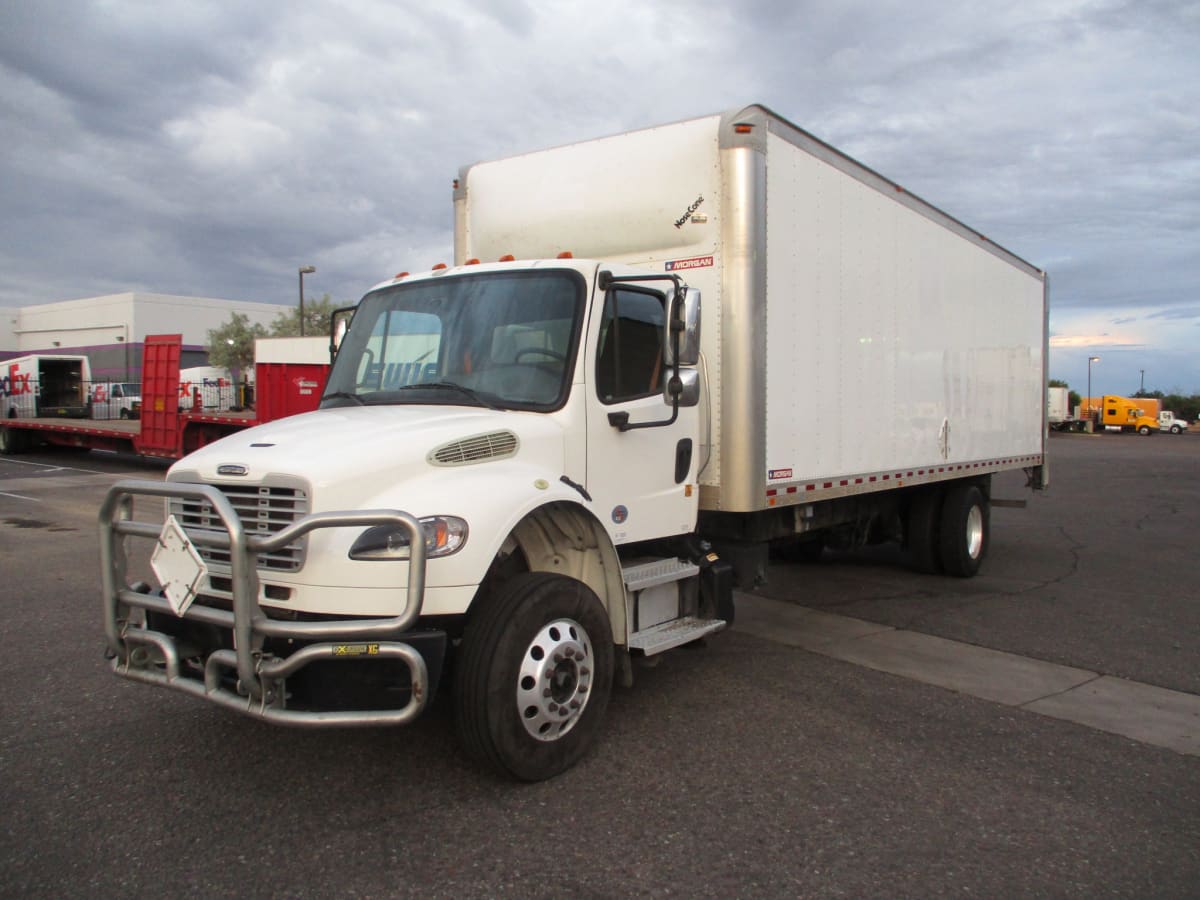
x: 1058, y: 409
x: 45, y: 385
x: 541, y: 465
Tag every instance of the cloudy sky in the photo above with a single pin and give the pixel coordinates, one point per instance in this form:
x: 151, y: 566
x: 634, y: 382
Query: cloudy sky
x: 211, y: 148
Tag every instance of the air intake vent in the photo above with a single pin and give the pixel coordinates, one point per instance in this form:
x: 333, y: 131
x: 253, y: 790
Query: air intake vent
x: 480, y: 448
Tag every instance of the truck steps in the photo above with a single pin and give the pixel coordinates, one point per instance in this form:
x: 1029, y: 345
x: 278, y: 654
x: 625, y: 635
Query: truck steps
x: 650, y: 573
x: 675, y: 633
x: 661, y: 601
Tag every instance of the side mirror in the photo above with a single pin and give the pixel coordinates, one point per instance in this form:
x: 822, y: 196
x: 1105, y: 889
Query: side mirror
x: 338, y: 326
x: 686, y: 387
x: 686, y: 323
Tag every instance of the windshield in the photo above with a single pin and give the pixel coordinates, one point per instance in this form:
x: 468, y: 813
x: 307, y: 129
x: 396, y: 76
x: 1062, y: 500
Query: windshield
x: 500, y: 339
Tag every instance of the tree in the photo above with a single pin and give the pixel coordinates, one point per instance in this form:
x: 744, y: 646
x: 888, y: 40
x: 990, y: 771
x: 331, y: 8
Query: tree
x: 317, y: 314
x: 232, y: 345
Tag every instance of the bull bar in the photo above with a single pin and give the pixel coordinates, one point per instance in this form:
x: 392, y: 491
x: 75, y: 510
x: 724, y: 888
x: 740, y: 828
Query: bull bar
x: 259, y: 675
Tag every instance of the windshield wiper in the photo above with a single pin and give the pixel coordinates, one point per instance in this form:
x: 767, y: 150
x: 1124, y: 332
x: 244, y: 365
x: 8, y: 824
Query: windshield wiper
x: 452, y: 386
x: 344, y: 395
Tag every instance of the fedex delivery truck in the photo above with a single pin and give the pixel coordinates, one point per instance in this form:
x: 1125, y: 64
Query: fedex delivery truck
x: 45, y: 385
x: 558, y: 454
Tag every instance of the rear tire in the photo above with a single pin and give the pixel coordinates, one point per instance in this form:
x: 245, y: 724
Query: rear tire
x: 965, y: 528
x: 12, y: 440
x: 922, y: 531
x: 534, y: 676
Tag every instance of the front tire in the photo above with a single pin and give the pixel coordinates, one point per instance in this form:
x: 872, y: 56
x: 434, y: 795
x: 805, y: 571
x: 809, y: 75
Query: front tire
x: 965, y: 530
x: 1144, y: 430
x: 534, y: 676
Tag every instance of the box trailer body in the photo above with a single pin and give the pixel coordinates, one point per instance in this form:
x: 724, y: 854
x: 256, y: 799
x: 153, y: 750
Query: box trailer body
x: 1058, y: 409
x: 208, y: 388
x: 820, y: 278
x: 556, y: 460
x: 47, y: 385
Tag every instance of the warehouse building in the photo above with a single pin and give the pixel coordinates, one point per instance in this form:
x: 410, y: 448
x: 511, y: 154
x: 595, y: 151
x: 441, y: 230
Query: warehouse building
x: 112, y: 329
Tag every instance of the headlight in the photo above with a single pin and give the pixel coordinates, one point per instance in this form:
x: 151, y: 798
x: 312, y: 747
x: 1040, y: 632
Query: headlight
x: 443, y: 535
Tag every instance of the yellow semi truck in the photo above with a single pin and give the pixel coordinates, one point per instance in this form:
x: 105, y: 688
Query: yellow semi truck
x: 1126, y: 415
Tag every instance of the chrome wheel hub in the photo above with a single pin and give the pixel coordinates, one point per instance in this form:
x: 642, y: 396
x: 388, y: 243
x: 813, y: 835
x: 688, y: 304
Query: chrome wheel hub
x: 974, y: 532
x: 554, y: 679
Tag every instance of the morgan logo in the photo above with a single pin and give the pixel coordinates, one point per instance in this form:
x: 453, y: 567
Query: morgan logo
x: 776, y: 474
x: 696, y: 262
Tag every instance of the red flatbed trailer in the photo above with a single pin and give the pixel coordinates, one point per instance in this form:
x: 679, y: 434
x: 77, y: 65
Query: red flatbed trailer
x: 166, y: 430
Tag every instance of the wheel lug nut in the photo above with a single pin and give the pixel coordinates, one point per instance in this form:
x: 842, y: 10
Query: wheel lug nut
x: 553, y: 707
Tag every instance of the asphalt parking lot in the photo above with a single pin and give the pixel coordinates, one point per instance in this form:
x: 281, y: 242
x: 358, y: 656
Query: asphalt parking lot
x: 766, y: 764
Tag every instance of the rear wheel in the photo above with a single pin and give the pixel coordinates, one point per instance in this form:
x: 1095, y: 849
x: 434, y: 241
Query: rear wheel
x: 922, y: 530
x: 12, y: 440
x: 965, y: 528
x: 534, y: 677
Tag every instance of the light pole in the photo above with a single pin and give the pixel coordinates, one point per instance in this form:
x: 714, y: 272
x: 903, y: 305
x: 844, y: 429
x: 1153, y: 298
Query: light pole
x: 304, y: 270
x: 1091, y: 359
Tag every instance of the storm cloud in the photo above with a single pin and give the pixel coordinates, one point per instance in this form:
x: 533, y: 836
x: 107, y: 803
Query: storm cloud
x: 210, y: 149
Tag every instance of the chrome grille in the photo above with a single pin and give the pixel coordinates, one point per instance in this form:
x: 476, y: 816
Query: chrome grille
x: 494, y: 445
x: 262, y: 509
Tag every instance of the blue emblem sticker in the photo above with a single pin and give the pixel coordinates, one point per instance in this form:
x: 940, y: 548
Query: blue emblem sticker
x: 619, y: 514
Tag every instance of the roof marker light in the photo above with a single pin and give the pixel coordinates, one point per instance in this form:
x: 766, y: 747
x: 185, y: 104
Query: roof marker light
x: 471, y: 262
x: 507, y: 257
x: 742, y: 128
x: 400, y: 275
x: 566, y: 254
x: 439, y: 266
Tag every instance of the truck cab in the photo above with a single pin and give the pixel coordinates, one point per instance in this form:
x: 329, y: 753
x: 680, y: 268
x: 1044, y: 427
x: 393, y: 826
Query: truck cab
x: 533, y: 427
x: 1122, y: 414
x: 1168, y: 422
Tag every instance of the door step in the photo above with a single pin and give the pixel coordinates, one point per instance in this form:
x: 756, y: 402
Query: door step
x: 649, y: 573
x: 673, y: 634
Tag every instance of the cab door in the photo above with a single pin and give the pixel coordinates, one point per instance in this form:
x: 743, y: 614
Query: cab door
x: 642, y: 480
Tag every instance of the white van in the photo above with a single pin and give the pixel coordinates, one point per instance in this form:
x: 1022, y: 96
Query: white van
x: 116, y: 400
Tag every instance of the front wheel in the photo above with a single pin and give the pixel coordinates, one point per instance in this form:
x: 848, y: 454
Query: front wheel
x: 1144, y: 430
x: 1175, y: 429
x: 534, y: 676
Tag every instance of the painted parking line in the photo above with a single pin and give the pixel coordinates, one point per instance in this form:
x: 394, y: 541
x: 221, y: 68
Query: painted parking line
x: 1143, y: 712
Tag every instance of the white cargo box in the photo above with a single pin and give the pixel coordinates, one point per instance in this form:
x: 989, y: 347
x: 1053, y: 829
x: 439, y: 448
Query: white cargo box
x: 855, y: 338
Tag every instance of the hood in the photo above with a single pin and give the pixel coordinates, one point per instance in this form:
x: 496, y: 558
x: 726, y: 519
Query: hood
x: 371, y: 446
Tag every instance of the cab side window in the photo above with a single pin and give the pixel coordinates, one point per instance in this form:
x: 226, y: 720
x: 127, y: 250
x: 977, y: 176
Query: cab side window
x: 629, y: 363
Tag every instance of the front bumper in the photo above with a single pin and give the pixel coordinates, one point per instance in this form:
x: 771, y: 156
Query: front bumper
x: 243, y: 666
